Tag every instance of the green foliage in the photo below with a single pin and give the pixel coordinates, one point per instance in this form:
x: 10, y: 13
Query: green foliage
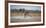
x: 26, y: 11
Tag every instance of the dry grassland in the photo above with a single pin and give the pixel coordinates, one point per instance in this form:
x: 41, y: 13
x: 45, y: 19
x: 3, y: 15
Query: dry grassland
x: 28, y: 14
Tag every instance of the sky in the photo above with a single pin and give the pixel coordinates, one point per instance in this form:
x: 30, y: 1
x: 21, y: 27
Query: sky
x: 25, y: 7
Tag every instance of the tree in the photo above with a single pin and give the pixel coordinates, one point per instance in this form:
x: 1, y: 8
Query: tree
x: 21, y: 10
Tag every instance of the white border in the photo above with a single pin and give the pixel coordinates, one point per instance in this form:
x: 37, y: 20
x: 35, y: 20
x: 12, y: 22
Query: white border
x: 21, y: 23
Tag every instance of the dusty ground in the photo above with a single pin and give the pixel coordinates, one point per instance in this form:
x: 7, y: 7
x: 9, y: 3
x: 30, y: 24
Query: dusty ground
x: 29, y: 17
x: 25, y: 19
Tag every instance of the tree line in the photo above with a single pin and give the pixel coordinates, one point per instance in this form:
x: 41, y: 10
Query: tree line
x: 23, y: 10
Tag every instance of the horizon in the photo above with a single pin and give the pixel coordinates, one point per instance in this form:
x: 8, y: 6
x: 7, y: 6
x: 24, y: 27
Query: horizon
x: 25, y: 7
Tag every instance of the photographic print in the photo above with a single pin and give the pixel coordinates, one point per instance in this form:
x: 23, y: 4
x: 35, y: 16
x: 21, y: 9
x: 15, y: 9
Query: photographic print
x: 23, y: 14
